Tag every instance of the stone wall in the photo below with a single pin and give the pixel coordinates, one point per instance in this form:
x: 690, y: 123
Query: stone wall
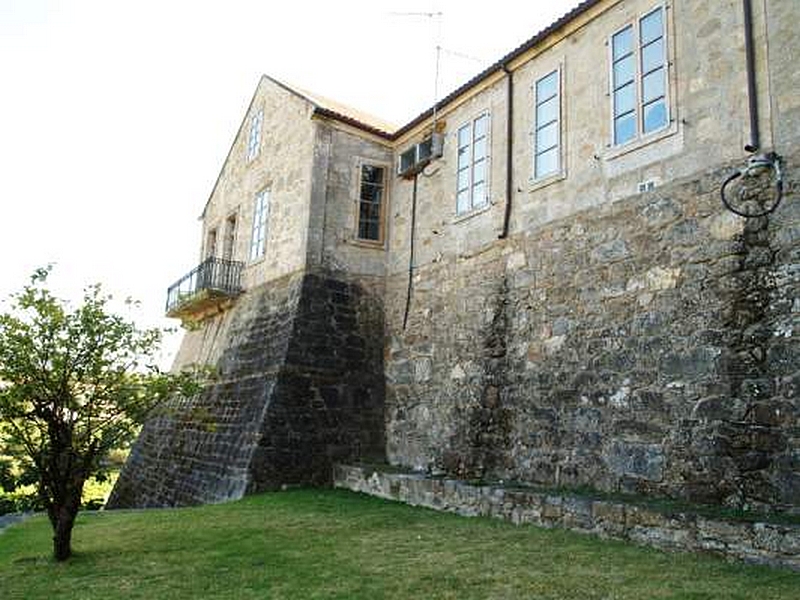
x: 648, y: 345
x: 754, y: 542
x: 299, y: 386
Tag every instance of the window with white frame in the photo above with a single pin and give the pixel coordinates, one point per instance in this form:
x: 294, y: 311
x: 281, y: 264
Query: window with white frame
x: 254, y: 139
x: 258, y: 240
x: 472, y: 190
x: 370, y: 203
x: 639, y: 78
x: 547, y: 126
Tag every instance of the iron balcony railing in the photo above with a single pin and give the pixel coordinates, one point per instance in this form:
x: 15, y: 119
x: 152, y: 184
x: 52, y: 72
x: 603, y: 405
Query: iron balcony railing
x: 215, y: 275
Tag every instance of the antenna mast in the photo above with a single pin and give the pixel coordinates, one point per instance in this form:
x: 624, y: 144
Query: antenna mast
x: 438, y: 15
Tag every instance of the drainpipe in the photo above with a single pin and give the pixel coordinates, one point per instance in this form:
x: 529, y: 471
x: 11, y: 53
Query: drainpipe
x: 411, y: 250
x: 757, y: 164
x: 509, y: 149
x: 752, y: 91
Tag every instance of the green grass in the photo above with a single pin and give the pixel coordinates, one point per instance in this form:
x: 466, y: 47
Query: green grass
x: 309, y: 544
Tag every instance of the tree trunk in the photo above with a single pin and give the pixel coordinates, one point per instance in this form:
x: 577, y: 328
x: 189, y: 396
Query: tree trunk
x: 62, y: 516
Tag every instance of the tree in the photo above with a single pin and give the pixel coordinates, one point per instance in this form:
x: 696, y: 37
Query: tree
x: 75, y: 383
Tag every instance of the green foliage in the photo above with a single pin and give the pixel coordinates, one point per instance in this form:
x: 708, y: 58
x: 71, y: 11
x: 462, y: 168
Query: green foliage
x: 314, y: 544
x: 75, y: 383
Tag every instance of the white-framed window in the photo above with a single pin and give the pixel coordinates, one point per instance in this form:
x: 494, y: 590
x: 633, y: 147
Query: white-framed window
x: 472, y: 165
x: 254, y: 139
x: 639, y: 83
x: 371, y: 200
x: 258, y: 239
x: 547, y: 125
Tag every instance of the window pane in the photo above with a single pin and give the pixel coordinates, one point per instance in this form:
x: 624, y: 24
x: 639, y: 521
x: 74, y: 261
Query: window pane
x: 546, y: 163
x: 624, y: 71
x: 653, y: 86
x: 651, y: 27
x: 373, y: 231
x: 547, y: 87
x: 479, y: 149
x: 371, y: 174
x: 547, y: 137
x: 463, y: 180
x: 463, y: 158
x: 479, y: 171
x: 653, y: 56
x: 655, y: 115
x: 622, y: 43
x: 481, y: 126
x: 462, y: 201
x: 624, y: 100
x: 479, y: 194
x: 547, y: 112
x: 624, y: 128
x: 463, y: 137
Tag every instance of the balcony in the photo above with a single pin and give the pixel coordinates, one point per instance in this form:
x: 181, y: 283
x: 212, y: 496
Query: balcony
x: 205, y: 290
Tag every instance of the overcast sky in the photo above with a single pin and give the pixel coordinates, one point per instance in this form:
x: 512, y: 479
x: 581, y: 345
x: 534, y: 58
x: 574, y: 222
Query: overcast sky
x: 115, y: 116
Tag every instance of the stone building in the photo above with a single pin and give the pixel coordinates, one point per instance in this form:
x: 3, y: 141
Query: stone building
x: 537, y: 281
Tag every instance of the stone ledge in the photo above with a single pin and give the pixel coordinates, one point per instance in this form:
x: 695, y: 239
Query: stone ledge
x: 756, y: 543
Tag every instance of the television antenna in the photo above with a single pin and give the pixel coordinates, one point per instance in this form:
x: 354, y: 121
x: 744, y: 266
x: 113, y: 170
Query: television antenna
x: 438, y: 16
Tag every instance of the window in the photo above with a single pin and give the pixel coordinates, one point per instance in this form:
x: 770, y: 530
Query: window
x: 258, y: 241
x: 230, y: 238
x: 254, y: 141
x: 547, y: 127
x: 639, y: 78
x: 211, y: 243
x: 370, y: 203
x: 472, y: 172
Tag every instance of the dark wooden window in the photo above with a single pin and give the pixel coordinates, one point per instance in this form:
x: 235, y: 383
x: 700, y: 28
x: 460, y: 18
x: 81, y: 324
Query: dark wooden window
x: 370, y: 203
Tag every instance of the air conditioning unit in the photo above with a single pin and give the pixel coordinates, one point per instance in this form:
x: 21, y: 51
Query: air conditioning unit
x: 413, y: 160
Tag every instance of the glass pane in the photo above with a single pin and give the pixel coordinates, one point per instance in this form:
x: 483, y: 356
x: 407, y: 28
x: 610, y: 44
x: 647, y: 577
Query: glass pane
x: 463, y: 137
x: 375, y: 212
x: 655, y: 115
x: 653, y: 56
x: 547, y: 87
x: 547, y: 137
x: 624, y: 71
x: 651, y: 27
x: 480, y: 149
x: 622, y: 43
x: 370, y: 174
x: 463, y: 158
x: 624, y: 128
x: 479, y: 171
x: 462, y: 201
x: 463, y: 180
x: 479, y: 194
x: 364, y: 212
x: 363, y: 230
x: 653, y: 86
x: 547, y: 112
x: 481, y: 126
x: 373, y: 231
x: 624, y: 100
x: 546, y: 163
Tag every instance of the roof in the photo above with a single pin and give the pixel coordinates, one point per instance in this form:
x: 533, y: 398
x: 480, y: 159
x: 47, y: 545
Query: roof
x: 342, y: 112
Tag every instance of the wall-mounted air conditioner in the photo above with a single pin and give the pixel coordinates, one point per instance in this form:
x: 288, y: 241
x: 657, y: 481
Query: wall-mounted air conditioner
x: 415, y: 159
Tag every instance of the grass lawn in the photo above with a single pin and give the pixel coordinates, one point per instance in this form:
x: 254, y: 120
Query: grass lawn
x: 309, y: 544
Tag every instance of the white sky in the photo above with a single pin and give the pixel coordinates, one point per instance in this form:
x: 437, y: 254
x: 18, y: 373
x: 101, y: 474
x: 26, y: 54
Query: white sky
x: 116, y: 116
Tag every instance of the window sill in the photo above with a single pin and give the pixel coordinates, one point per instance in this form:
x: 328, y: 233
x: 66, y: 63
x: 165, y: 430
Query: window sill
x: 472, y: 213
x: 537, y: 184
x: 368, y: 244
x: 256, y: 261
x: 613, y: 152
